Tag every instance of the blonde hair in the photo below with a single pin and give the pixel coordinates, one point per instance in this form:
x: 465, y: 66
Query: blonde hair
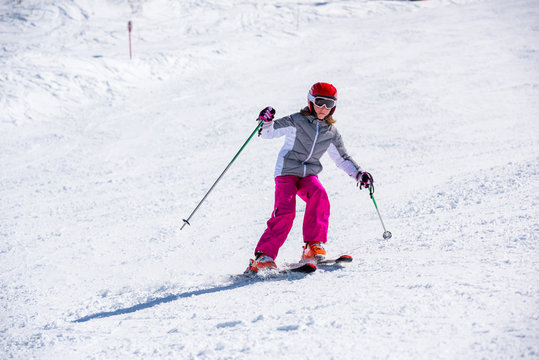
x: 329, y: 120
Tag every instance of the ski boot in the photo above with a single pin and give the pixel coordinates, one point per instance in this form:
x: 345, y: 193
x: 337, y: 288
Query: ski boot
x: 262, y: 261
x: 313, y: 251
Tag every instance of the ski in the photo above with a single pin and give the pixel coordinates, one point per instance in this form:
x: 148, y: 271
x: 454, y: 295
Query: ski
x: 339, y: 260
x: 306, y: 268
x: 301, y: 268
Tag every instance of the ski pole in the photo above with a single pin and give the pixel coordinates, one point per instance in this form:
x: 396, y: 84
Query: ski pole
x: 129, y: 27
x: 387, y: 234
x: 186, y: 221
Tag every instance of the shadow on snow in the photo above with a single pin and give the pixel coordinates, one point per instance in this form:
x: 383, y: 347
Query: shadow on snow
x: 238, y: 281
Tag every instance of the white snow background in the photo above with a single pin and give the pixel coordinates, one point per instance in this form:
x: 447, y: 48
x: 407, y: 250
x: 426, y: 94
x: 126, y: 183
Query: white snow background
x: 102, y: 157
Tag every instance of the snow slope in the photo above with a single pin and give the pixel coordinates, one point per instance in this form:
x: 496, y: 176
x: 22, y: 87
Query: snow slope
x: 102, y: 157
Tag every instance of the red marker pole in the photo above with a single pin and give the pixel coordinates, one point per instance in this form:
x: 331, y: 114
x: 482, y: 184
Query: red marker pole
x: 129, y: 27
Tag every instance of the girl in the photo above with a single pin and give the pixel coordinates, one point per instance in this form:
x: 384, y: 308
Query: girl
x: 309, y: 134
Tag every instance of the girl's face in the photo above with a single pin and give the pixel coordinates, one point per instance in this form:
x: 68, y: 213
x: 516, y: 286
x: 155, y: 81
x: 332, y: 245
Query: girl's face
x: 321, y: 112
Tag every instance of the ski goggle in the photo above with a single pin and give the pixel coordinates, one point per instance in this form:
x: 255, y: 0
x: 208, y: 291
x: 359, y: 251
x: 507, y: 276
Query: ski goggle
x: 323, y: 101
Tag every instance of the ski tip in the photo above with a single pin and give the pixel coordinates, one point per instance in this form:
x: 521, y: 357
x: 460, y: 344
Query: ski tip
x: 341, y: 259
x: 305, y: 268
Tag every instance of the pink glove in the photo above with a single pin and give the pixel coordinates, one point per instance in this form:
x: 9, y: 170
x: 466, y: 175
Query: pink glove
x: 267, y: 114
x: 365, y: 179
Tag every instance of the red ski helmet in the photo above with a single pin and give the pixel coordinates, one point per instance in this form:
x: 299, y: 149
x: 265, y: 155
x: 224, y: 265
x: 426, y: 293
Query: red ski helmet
x: 324, y: 91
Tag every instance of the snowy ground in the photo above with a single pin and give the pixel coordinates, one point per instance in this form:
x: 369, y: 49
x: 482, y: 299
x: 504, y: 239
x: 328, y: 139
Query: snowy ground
x: 102, y: 157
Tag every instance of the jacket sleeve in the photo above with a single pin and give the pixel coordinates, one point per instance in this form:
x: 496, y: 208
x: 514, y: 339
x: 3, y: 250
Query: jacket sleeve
x: 277, y: 128
x: 337, y: 152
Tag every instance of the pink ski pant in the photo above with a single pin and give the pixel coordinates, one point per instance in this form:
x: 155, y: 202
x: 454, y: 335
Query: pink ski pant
x: 316, y: 218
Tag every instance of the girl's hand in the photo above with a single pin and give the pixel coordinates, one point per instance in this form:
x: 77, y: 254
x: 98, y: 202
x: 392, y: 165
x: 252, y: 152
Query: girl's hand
x: 365, y: 179
x: 267, y: 114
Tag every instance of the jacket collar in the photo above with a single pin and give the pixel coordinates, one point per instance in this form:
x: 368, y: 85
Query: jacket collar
x: 313, y: 120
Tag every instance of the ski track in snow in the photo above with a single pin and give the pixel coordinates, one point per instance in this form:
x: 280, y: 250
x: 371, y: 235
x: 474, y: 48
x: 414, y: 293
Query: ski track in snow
x: 102, y: 157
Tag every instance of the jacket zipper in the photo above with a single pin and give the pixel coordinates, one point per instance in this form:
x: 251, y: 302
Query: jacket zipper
x: 312, y: 150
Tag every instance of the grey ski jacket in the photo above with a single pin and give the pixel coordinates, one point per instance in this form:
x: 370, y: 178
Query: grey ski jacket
x: 306, y: 140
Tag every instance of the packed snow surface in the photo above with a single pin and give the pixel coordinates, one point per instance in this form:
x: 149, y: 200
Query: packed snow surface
x: 102, y: 157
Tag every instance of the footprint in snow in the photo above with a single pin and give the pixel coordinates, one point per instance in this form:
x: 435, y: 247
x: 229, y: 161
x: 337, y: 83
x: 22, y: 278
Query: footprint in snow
x: 228, y: 324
